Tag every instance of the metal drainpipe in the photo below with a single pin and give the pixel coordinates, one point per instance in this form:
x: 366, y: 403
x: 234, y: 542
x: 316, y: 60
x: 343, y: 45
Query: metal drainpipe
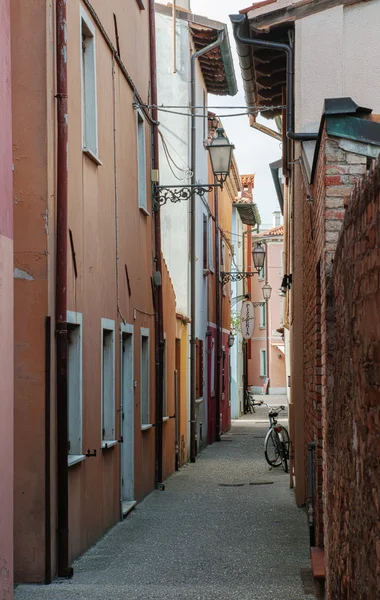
x: 64, y: 569
x: 267, y: 315
x: 218, y: 319
x: 159, y: 324
x: 193, y: 370
x: 238, y: 22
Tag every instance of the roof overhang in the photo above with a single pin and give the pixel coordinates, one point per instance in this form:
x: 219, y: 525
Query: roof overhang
x: 217, y: 66
x: 264, y: 70
x: 248, y: 212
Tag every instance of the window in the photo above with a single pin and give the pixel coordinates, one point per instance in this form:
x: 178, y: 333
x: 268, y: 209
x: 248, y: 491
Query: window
x: 108, y: 382
x: 199, y: 369
x: 145, y: 379
x: 212, y: 375
x: 141, y: 4
x: 263, y: 363
x: 210, y: 246
x: 165, y: 384
x: 89, y: 101
x: 262, y: 272
x: 74, y: 387
x: 263, y: 315
x: 141, y: 162
x: 205, y: 243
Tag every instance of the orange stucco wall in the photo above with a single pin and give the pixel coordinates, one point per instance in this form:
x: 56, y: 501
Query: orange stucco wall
x: 113, y: 277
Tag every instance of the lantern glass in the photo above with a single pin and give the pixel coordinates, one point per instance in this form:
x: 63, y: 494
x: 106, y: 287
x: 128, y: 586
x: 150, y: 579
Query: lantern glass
x: 258, y: 255
x: 267, y: 291
x: 220, y: 151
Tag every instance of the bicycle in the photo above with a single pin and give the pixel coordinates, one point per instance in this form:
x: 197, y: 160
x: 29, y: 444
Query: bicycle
x: 252, y: 402
x: 276, y: 444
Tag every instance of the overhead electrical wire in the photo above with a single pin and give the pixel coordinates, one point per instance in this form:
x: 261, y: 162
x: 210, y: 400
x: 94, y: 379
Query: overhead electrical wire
x: 248, y: 111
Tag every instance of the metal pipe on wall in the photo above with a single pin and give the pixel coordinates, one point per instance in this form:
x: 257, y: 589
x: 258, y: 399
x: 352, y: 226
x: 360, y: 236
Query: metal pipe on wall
x: 48, y: 569
x: 193, y: 314
x: 64, y: 569
x: 238, y: 22
x: 218, y: 318
x: 159, y: 325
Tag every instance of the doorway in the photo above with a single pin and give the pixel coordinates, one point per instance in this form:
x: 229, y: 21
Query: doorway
x: 127, y: 420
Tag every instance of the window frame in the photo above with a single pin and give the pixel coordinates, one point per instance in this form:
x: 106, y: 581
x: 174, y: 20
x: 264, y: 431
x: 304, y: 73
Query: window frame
x: 145, y: 333
x: 92, y: 152
x: 75, y: 320
x: 263, y: 313
x: 263, y: 362
x: 142, y: 188
x: 108, y: 441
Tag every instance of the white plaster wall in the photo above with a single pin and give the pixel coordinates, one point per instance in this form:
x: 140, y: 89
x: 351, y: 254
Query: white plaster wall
x: 361, y: 51
x: 173, y: 89
x: 318, y: 65
x: 336, y: 55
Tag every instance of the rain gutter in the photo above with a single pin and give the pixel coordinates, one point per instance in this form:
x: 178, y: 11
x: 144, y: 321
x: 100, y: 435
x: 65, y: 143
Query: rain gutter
x: 242, y: 36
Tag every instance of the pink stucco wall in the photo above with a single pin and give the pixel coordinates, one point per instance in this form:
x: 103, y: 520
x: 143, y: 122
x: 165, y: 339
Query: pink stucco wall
x: 277, y: 375
x: 6, y: 312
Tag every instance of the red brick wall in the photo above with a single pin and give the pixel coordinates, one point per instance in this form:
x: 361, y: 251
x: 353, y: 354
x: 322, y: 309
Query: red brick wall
x: 337, y: 171
x: 353, y: 426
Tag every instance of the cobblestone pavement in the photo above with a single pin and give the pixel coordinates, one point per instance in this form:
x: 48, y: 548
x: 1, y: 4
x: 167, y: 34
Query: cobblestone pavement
x: 226, y: 527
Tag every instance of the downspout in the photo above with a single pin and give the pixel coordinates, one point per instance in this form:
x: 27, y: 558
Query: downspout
x: 64, y: 569
x: 218, y: 318
x: 238, y: 21
x: 193, y: 314
x: 159, y: 321
x: 267, y: 317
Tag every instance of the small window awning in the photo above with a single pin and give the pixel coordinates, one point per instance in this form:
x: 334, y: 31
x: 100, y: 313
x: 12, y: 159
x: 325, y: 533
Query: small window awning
x: 248, y: 212
x: 280, y: 347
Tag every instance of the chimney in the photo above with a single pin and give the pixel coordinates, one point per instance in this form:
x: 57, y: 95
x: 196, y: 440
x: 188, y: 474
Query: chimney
x: 276, y: 218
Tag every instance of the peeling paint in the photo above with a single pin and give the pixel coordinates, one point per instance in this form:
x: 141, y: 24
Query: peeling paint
x: 20, y: 274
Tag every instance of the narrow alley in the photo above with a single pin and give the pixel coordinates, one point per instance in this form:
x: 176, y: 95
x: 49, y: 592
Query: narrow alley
x: 225, y: 527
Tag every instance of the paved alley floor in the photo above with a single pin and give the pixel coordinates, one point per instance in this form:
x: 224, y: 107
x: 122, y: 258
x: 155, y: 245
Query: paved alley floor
x: 226, y: 527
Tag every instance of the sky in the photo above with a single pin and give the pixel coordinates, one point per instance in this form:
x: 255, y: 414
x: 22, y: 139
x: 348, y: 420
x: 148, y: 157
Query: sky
x: 253, y: 150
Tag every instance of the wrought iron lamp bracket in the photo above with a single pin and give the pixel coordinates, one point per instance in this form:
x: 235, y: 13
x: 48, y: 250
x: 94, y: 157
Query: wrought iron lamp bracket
x: 235, y: 276
x: 179, y: 193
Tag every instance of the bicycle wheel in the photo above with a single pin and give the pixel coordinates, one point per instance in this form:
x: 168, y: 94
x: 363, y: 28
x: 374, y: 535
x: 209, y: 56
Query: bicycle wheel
x: 286, y: 440
x: 284, y: 457
x: 272, y: 449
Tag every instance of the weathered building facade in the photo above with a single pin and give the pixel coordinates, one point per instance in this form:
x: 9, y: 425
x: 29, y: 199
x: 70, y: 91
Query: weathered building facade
x: 93, y: 210
x: 320, y: 171
x: 6, y: 309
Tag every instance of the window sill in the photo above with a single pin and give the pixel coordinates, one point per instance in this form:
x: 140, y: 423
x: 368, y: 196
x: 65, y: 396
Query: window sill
x: 262, y: 327
x: 109, y: 444
x: 206, y: 272
x: 74, y: 459
x: 164, y: 419
x: 146, y: 426
x: 92, y: 156
x: 144, y: 211
x: 199, y: 401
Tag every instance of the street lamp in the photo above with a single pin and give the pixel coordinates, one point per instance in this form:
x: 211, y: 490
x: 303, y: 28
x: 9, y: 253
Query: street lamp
x: 231, y: 340
x: 267, y: 291
x: 258, y: 255
x: 220, y: 151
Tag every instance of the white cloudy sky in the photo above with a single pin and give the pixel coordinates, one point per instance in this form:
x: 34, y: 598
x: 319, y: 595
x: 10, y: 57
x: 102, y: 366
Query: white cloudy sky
x: 254, y: 150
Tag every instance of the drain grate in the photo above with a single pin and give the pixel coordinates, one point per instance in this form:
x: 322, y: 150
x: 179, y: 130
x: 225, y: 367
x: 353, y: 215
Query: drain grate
x: 231, y: 484
x: 262, y: 483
